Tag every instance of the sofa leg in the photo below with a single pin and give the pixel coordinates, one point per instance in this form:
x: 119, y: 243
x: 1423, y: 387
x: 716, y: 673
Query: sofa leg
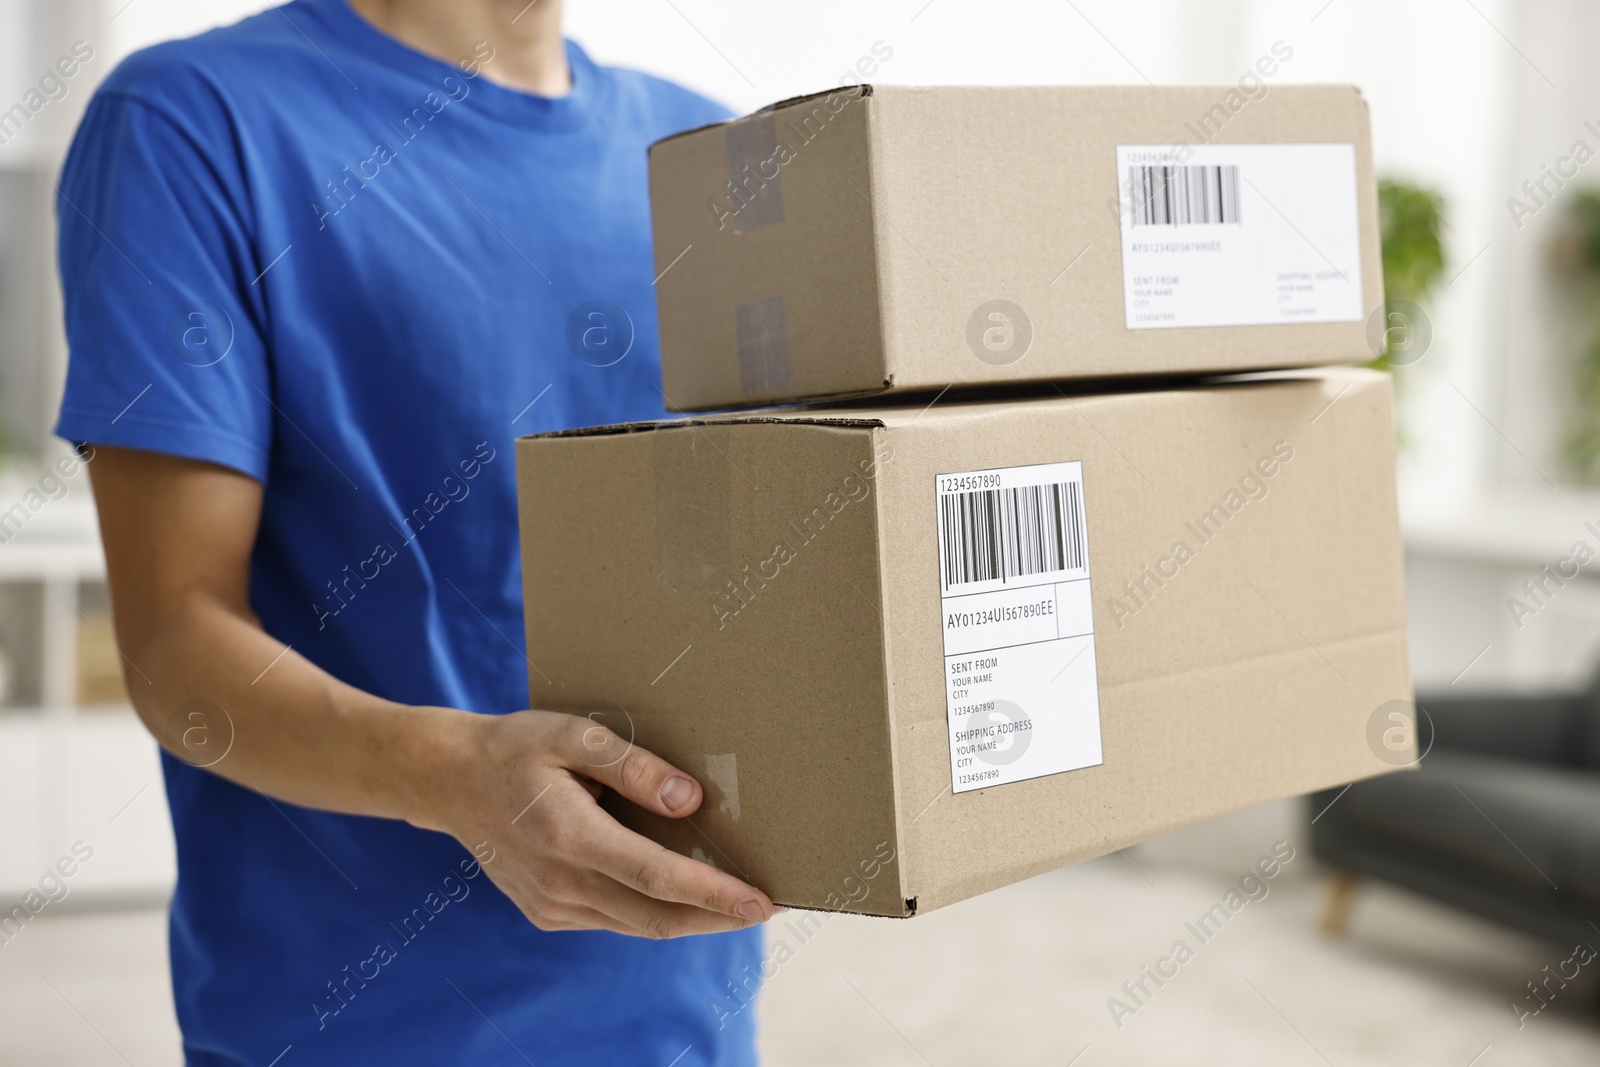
x: 1341, y: 897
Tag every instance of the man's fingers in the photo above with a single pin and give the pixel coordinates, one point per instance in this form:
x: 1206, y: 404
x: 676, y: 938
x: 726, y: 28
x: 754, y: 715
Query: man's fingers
x: 647, y: 917
x: 661, y: 874
x: 646, y: 779
x: 620, y: 880
x: 579, y: 917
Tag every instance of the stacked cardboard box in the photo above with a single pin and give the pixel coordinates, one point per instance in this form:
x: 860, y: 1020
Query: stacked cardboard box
x: 1048, y: 592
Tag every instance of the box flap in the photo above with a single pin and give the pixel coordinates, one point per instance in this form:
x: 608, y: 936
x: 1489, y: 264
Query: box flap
x: 863, y: 90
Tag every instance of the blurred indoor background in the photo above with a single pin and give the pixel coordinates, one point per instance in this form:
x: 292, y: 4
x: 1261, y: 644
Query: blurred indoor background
x: 1500, y: 431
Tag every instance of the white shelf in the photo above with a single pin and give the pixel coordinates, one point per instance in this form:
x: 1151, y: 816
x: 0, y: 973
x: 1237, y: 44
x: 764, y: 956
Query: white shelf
x: 21, y: 561
x: 58, y: 547
x: 1508, y: 528
x: 93, y: 777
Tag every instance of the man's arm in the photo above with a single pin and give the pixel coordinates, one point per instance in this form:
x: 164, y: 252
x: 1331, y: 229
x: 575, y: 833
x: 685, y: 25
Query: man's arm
x: 178, y: 536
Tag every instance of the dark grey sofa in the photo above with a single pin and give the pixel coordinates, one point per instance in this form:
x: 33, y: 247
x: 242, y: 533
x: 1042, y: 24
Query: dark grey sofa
x: 1502, y: 819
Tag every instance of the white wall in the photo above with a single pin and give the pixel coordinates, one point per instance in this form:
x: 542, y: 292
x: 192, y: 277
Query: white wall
x: 1441, y: 83
x: 1557, y: 99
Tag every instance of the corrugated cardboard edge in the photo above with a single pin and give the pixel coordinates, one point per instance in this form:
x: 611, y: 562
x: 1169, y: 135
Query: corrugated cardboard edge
x: 809, y: 398
x: 903, y: 878
x: 1367, y: 189
x: 732, y: 419
x: 863, y: 90
x: 880, y: 238
x: 813, y: 410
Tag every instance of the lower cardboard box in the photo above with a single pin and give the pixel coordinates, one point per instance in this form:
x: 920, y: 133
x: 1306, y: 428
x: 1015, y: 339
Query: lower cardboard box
x: 916, y: 653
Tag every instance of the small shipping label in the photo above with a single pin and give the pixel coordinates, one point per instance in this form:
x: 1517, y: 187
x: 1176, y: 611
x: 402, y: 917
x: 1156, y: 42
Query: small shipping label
x: 1021, y: 693
x: 1239, y: 234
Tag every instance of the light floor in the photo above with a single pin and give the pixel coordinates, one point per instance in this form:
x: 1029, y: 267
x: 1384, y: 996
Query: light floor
x: 1017, y: 977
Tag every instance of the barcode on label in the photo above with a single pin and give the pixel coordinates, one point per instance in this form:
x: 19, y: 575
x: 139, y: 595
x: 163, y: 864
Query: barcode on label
x: 1012, y: 532
x: 1184, y: 196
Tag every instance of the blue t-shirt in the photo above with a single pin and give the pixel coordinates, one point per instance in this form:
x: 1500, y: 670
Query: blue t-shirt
x: 297, y: 248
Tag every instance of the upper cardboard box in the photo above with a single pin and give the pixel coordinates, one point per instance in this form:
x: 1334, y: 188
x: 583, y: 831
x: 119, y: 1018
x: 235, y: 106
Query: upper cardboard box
x: 888, y: 239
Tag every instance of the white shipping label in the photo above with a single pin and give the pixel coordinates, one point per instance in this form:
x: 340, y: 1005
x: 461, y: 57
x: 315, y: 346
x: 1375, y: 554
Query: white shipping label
x: 1239, y: 234
x: 1021, y: 694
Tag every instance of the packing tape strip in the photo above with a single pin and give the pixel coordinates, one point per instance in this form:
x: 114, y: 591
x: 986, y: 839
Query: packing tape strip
x: 752, y: 150
x: 694, y: 535
x: 721, y: 783
x: 763, y: 345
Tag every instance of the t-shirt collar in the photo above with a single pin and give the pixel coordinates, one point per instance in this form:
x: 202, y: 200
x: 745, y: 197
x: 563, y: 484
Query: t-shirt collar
x: 522, y: 107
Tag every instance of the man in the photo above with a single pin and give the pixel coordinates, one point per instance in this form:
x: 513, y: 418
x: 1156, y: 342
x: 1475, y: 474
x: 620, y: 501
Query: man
x: 321, y: 268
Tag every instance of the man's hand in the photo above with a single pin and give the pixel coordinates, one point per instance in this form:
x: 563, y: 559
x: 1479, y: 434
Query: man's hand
x: 528, y: 787
x: 178, y: 536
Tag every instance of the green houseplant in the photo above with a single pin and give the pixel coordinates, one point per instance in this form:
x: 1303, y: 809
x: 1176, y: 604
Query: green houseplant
x: 1410, y: 218
x: 1576, y: 255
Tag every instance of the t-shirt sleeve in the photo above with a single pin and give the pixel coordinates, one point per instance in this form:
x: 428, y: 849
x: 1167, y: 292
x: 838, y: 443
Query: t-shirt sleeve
x: 165, y: 318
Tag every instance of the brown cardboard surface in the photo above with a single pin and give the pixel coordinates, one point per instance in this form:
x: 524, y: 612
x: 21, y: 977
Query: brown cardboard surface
x: 899, y: 211
x: 809, y: 698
